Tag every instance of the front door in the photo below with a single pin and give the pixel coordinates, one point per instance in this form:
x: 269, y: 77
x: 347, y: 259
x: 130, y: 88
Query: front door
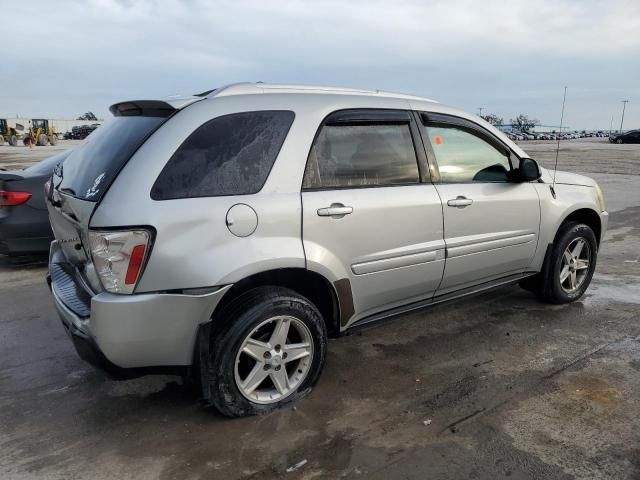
x: 491, y: 223
x: 368, y: 219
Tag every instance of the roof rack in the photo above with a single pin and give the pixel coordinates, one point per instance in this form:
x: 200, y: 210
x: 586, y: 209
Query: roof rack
x: 246, y: 88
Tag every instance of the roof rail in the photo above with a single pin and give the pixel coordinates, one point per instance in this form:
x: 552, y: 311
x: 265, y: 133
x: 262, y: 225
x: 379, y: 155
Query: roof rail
x: 244, y: 88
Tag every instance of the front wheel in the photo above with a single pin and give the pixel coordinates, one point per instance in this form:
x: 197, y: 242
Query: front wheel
x: 570, y: 267
x: 619, y: 141
x: 267, y: 352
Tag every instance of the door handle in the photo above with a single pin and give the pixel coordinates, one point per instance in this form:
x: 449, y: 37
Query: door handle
x: 336, y: 210
x: 460, y: 202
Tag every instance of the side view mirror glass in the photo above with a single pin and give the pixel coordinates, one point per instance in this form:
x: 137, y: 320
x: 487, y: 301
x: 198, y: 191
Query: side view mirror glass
x: 528, y: 170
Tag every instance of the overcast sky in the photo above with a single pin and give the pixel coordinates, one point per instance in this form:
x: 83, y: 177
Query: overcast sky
x: 63, y: 58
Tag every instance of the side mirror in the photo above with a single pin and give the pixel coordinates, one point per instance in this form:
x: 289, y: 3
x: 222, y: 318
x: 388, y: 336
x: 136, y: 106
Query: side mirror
x: 528, y: 170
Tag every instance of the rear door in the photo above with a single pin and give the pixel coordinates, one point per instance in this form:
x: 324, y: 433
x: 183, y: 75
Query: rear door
x: 491, y: 223
x: 370, y: 220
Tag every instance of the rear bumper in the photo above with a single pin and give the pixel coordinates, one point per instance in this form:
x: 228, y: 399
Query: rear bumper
x: 128, y: 331
x: 24, y: 230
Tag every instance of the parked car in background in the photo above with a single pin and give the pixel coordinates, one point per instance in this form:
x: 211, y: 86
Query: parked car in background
x: 229, y: 233
x: 632, y: 136
x: 24, y: 221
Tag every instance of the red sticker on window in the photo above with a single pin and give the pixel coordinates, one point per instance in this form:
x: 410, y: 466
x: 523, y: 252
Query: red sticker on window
x: 437, y: 140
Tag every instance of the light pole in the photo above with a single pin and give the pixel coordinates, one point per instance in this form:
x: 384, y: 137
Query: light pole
x: 480, y: 110
x: 624, y: 106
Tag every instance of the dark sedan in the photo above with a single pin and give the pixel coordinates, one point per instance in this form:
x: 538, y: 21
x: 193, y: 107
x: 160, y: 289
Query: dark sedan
x: 24, y: 221
x: 632, y: 136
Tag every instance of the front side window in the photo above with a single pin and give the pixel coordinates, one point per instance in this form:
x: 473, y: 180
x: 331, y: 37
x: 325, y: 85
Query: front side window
x: 362, y: 156
x: 229, y: 155
x: 465, y: 157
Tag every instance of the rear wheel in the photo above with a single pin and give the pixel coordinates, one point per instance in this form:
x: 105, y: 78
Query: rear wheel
x: 53, y: 140
x: 571, y: 265
x: 43, y: 139
x: 1, y: 140
x: 27, y: 140
x: 268, y: 351
x: 13, y: 141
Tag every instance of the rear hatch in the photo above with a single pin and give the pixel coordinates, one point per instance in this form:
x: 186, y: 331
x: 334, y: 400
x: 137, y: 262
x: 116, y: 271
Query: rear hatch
x: 81, y: 181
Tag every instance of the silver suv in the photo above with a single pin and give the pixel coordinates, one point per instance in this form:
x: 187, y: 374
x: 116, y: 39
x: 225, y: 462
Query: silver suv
x: 228, y: 234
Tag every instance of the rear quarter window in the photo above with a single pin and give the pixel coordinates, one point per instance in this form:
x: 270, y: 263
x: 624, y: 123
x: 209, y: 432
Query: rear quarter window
x: 228, y: 155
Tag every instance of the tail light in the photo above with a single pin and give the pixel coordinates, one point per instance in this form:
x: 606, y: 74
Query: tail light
x: 11, y: 199
x: 119, y: 257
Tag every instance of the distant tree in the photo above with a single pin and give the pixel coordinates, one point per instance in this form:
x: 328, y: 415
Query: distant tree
x: 88, y: 116
x: 523, y: 122
x: 492, y: 118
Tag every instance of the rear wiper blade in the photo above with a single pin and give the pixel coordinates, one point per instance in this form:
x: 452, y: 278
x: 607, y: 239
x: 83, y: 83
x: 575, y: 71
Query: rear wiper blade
x: 68, y: 190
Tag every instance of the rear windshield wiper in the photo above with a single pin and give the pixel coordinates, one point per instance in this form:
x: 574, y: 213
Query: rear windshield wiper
x: 68, y: 190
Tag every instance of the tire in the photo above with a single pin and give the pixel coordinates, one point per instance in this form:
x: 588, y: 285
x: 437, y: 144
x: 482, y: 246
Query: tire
x: 53, y: 140
x: 13, y: 141
x: 619, y: 141
x: 1, y: 140
x: 26, y: 140
x: 551, y: 288
x: 253, y: 315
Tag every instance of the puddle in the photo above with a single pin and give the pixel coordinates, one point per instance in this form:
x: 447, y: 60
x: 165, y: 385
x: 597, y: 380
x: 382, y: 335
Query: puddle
x: 606, y: 289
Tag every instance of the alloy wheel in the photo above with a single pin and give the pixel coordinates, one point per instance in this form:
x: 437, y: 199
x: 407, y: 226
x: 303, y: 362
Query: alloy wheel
x: 575, y: 264
x: 274, y: 359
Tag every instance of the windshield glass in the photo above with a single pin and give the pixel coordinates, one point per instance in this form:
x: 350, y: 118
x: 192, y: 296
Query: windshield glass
x: 93, y: 165
x: 45, y: 167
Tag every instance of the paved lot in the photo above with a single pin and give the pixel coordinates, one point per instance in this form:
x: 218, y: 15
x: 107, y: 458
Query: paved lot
x: 495, y: 386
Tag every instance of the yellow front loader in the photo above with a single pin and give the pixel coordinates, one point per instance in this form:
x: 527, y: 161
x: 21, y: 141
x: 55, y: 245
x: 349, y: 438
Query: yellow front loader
x: 40, y: 133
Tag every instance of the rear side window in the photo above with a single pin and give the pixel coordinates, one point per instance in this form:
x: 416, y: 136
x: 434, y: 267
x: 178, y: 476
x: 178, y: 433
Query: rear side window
x: 229, y: 155
x: 362, y: 156
x: 91, y: 167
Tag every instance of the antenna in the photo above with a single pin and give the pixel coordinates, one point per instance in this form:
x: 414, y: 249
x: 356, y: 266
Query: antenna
x: 555, y: 168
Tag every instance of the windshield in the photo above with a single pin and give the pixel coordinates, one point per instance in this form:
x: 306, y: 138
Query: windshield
x: 93, y: 165
x: 46, y: 167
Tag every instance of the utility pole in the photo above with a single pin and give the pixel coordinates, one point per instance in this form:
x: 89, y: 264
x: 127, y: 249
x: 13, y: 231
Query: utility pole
x: 624, y: 106
x: 611, y: 126
x: 480, y: 110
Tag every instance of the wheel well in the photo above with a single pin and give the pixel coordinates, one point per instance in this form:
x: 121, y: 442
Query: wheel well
x: 307, y: 283
x: 588, y: 217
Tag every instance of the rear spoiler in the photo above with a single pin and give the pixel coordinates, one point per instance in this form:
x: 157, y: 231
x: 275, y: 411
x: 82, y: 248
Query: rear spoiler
x: 143, y: 108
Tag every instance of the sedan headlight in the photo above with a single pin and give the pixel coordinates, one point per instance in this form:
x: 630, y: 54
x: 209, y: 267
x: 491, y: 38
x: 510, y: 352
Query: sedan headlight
x: 600, y: 199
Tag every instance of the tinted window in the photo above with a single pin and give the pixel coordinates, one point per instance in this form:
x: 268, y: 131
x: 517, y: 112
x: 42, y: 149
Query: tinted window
x: 229, y: 155
x: 92, y: 166
x: 46, y: 167
x: 362, y: 155
x: 465, y: 157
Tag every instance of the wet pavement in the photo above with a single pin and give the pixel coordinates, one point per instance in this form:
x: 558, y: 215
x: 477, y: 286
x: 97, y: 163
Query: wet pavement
x: 494, y: 386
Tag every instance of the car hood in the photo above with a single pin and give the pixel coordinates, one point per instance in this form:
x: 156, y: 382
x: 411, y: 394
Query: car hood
x: 567, y: 178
